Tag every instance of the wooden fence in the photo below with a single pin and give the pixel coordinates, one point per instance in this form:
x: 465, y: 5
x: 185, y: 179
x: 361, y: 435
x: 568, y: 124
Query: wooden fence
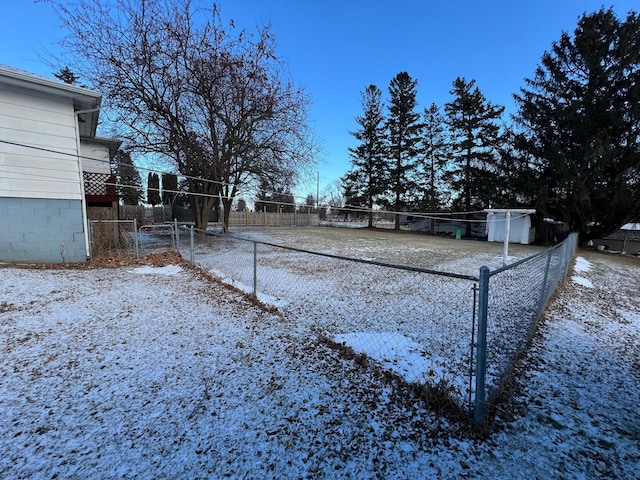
x: 160, y: 214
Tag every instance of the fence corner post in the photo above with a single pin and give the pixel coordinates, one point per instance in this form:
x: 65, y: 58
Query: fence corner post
x: 480, y: 405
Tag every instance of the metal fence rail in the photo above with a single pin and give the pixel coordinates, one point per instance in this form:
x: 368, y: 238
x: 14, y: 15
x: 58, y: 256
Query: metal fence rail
x: 432, y: 328
x: 113, y: 238
x: 515, y: 295
x: 415, y: 322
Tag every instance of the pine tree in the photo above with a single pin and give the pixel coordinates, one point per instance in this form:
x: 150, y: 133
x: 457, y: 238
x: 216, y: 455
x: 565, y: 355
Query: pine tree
x: 169, y: 188
x: 263, y: 198
x: 309, y: 205
x: 475, y: 139
x: 67, y: 76
x: 274, y: 198
x: 433, y: 160
x: 367, y: 179
x: 153, y: 189
x: 129, y: 183
x: 580, y: 118
x: 241, y: 205
x: 404, y: 130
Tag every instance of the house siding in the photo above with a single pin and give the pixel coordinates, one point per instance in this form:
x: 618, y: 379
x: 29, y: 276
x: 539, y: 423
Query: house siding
x: 41, y: 231
x: 41, y: 190
x: 95, y: 157
x: 39, y: 146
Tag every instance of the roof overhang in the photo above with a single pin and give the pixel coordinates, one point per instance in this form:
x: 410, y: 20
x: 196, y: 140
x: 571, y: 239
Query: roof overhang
x: 631, y: 226
x: 522, y: 211
x: 86, y: 103
x: 113, y: 144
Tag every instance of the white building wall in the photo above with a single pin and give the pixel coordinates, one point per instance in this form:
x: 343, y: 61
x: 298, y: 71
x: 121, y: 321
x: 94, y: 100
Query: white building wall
x: 95, y: 157
x: 520, y: 230
x: 38, y: 146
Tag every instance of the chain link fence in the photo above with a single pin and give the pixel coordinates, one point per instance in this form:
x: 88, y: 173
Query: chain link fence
x: 516, y: 296
x: 457, y: 334
x: 115, y: 238
x: 111, y: 238
x: 413, y: 322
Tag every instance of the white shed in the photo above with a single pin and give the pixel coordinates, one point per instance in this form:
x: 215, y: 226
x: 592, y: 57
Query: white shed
x: 514, y: 222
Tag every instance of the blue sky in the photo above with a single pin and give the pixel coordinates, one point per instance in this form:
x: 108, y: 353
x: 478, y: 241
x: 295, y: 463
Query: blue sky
x: 335, y: 48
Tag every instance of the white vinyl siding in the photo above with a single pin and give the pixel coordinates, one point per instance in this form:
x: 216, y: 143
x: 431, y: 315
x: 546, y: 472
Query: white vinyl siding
x: 38, y: 139
x: 95, y: 157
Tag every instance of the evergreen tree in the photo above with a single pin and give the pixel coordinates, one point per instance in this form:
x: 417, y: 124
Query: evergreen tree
x: 432, y: 160
x: 286, y: 201
x: 241, y: 206
x: 274, y: 198
x: 475, y: 139
x: 309, y: 205
x: 366, y: 182
x: 263, y: 198
x: 169, y: 192
x: 153, y: 189
x: 518, y: 185
x: 129, y: 183
x: 169, y: 188
x: 404, y: 131
x: 67, y: 76
x: 580, y: 119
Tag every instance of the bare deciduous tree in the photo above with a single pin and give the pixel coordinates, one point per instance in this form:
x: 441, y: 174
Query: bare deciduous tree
x: 213, y: 98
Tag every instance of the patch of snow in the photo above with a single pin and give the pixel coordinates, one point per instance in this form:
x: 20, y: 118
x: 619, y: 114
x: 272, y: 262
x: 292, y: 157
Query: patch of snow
x: 166, y: 270
x: 393, y: 350
x: 582, y: 265
x: 585, y: 282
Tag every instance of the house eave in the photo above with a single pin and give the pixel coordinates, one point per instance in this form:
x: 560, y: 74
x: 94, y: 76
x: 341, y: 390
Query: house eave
x: 113, y: 144
x: 84, y: 100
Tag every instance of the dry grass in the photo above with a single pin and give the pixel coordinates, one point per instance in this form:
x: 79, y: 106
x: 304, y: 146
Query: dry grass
x: 439, y: 397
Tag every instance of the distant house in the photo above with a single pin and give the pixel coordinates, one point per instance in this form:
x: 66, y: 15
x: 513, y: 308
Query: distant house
x: 446, y: 226
x: 55, y: 173
x: 625, y: 240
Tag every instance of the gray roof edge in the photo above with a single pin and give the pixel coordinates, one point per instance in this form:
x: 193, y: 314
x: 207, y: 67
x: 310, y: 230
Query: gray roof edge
x: 32, y: 80
x: 112, y: 143
x: 631, y: 226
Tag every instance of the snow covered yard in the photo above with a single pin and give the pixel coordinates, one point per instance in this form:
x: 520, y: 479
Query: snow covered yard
x: 415, y: 323
x: 156, y: 372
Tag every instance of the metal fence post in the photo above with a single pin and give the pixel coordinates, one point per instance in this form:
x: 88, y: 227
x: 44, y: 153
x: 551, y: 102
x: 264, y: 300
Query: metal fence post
x: 176, y: 238
x: 473, y: 343
x: 479, y: 409
x: 90, y: 235
x: 255, y: 268
x: 192, y: 253
x: 135, y: 231
x: 545, y: 291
